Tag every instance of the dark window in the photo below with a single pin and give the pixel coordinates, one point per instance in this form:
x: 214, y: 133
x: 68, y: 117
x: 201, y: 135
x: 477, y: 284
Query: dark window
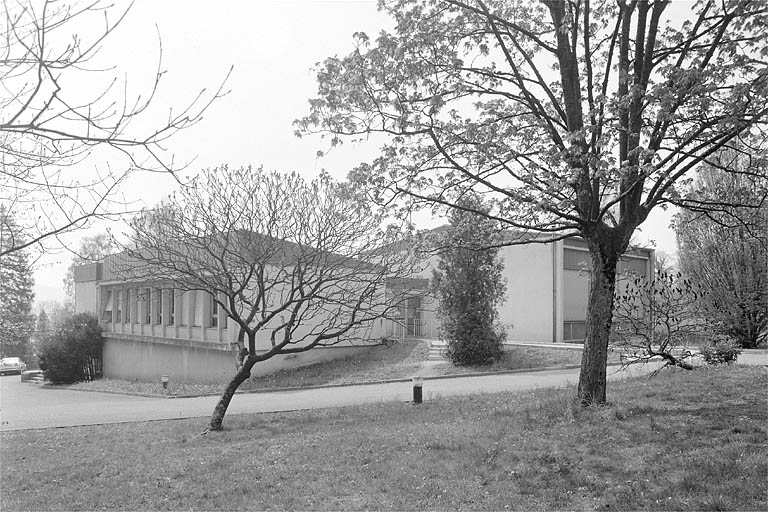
x: 576, y: 260
x: 214, y: 312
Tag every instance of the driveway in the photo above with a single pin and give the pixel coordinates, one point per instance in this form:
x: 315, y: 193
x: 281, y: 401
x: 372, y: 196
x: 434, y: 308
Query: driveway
x: 29, y: 406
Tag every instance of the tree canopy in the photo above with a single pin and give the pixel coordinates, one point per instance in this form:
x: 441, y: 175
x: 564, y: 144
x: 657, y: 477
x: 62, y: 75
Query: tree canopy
x: 570, y: 118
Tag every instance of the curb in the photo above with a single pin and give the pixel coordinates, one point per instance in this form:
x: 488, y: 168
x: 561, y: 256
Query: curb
x: 332, y: 386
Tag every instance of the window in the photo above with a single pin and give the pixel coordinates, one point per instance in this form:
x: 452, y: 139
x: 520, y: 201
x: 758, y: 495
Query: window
x: 128, y: 305
x: 214, y: 311
x: 197, y: 308
x: 630, y: 265
x: 119, y: 309
x: 171, y: 306
x: 106, y: 316
x: 574, y: 331
x: 185, y: 308
x: 146, y: 303
x: 158, y: 305
x: 574, y: 259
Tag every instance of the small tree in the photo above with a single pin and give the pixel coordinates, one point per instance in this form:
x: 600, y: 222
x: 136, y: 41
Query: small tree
x: 658, y: 318
x: 296, y: 264
x: 68, y: 355
x: 468, y: 282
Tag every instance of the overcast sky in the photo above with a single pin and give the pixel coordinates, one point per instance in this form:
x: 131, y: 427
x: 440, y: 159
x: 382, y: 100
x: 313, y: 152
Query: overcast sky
x: 273, y: 46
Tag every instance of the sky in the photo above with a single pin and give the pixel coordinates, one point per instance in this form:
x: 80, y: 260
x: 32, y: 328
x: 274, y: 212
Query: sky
x: 272, y: 47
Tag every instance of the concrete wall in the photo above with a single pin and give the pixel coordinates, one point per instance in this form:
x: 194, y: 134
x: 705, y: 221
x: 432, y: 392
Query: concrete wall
x: 87, y: 297
x: 528, y: 310
x: 148, y: 359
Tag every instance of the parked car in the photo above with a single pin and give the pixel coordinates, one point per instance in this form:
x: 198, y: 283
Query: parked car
x: 12, y: 365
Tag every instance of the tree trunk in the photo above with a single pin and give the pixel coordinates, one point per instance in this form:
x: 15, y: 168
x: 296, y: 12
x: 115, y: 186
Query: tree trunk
x: 217, y: 418
x: 602, y: 283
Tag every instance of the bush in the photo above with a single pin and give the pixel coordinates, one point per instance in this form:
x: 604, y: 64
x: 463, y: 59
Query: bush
x: 68, y: 356
x: 720, y: 351
x: 474, y: 344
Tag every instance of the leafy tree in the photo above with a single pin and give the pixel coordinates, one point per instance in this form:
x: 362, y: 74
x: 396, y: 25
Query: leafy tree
x: 571, y: 118
x: 726, y: 251
x: 469, y: 285
x: 68, y: 355
x: 58, y: 106
x: 92, y: 248
x: 297, y: 264
x: 16, y: 290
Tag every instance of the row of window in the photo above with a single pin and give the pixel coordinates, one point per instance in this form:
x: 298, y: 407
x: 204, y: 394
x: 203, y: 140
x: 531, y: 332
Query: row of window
x: 158, y: 306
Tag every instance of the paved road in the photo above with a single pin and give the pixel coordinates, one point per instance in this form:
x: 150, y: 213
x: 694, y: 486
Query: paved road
x: 28, y: 406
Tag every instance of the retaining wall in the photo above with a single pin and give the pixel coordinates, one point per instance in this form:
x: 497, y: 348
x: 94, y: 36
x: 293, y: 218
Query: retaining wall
x: 133, y: 357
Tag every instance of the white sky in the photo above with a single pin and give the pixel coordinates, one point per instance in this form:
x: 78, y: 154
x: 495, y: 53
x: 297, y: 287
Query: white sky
x: 273, y: 45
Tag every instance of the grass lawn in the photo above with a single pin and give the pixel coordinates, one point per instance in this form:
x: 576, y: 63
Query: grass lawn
x: 683, y: 440
x: 397, y: 361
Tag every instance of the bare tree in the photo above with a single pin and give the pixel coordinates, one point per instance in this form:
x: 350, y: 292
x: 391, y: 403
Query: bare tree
x: 58, y: 108
x: 658, y: 317
x: 295, y: 264
x: 574, y: 119
x: 725, y: 250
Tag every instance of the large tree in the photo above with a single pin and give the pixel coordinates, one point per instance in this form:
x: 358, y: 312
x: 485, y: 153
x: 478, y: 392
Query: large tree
x: 725, y: 251
x: 574, y: 119
x: 295, y: 264
x: 16, y: 294
x: 62, y: 107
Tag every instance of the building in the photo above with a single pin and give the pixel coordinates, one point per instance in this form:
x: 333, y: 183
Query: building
x: 547, y: 292
x: 152, y: 329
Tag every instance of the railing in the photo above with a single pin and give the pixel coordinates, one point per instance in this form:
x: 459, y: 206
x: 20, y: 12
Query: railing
x: 92, y: 368
x: 399, y: 329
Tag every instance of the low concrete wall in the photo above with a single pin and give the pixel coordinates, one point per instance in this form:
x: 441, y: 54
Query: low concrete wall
x: 132, y: 357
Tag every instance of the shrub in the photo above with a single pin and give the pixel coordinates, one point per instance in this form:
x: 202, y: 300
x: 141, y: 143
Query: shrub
x: 68, y: 355
x: 471, y: 343
x: 720, y: 351
x: 657, y: 318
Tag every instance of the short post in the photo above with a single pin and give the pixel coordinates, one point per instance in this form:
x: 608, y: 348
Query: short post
x: 417, y: 385
x: 165, y: 381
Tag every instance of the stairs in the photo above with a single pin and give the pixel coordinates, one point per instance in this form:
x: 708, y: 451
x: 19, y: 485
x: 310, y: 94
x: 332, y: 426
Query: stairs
x: 436, y: 351
x: 33, y: 377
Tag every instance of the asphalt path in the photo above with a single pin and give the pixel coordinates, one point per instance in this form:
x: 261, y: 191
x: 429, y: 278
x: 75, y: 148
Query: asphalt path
x: 29, y: 406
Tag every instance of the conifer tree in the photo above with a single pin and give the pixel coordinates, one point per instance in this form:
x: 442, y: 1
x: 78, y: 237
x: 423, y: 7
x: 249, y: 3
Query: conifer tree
x: 469, y: 284
x: 16, y: 294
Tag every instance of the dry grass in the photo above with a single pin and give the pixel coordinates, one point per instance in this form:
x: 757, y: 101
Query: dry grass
x: 683, y: 440
x: 384, y: 362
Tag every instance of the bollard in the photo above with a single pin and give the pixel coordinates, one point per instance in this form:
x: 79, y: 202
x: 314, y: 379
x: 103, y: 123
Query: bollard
x: 165, y: 382
x: 417, y: 385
